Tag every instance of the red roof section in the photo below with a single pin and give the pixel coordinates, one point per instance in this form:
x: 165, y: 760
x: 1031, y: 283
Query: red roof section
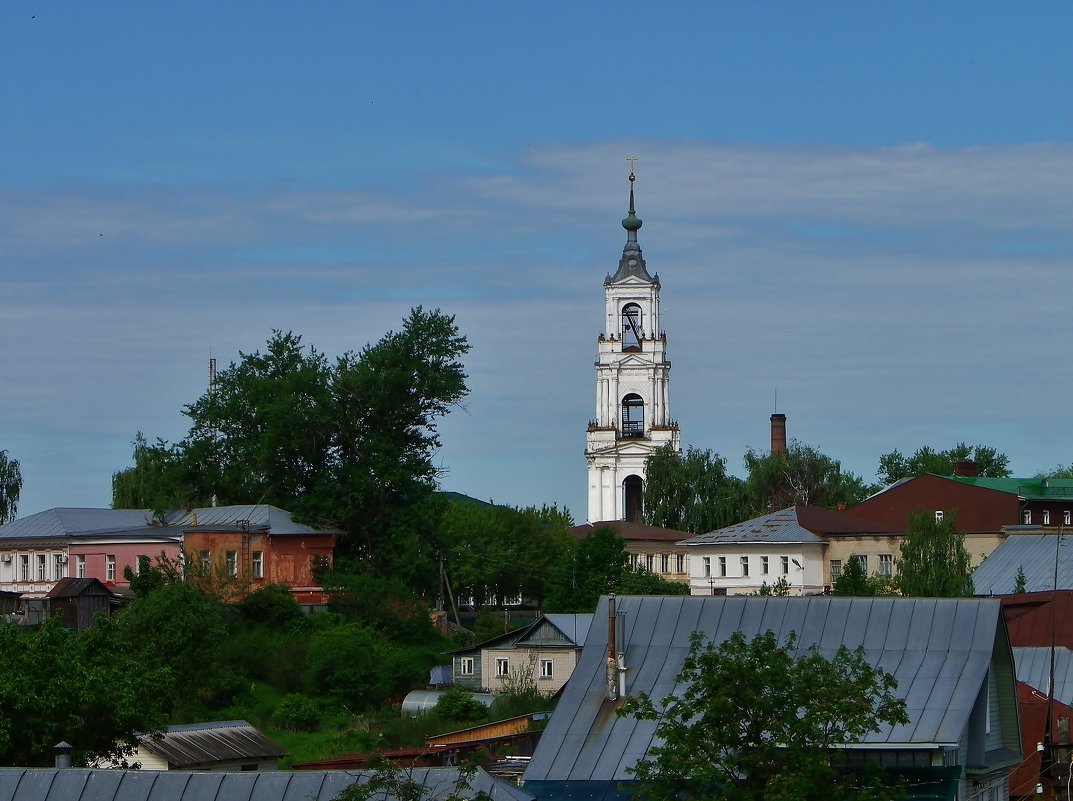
x: 1039, y: 618
x: 827, y: 521
x: 631, y: 531
x: 979, y: 509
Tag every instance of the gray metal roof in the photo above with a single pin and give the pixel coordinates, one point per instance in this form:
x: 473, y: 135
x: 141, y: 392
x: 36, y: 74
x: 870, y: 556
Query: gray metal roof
x: 576, y: 627
x: 51, y: 784
x: 939, y: 650
x: 781, y: 526
x: 62, y: 523
x: 1036, y: 555
x: 1034, y: 669
x: 205, y: 743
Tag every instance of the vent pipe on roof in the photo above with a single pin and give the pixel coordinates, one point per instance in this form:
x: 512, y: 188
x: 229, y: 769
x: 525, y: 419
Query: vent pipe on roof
x: 612, y: 663
x: 62, y: 751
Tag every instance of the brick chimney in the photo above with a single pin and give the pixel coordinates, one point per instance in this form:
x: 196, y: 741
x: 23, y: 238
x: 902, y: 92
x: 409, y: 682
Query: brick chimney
x: 965, y: 467
x: 778, y: 433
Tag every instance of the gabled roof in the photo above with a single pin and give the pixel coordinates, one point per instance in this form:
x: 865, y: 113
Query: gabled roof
x: 798, y: 524
x: 64, y: 523
x: 68, y: 587
x: 939, y: 650
x: 206, y: 743
x: 1037, y: 555
x: 631, y: 531
x: 574, y: 628
x: 48, y: 784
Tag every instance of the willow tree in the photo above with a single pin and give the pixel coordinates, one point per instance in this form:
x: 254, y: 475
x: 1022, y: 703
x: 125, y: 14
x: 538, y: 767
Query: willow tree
x: 10, y: 487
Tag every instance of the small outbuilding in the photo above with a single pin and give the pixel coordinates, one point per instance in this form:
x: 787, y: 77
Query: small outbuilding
x: 77, y: 601
x: 219, y: 746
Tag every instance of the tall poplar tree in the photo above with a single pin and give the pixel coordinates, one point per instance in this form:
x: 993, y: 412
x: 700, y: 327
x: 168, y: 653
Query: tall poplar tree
x: 934, y: 562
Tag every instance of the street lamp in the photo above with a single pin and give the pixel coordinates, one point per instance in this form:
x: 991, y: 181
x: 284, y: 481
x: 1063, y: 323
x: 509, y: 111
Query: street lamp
x: 800, y: 567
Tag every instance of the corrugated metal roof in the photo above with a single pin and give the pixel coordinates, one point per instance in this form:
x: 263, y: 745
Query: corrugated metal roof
x: 51, y: 784
x: 205, y: 743
x: 68, y: 587
x: 1036, y: 489
x: 939, y: 650
x: 1036, y: 555
x: 1034, y: 669
x: 61, y: 523
x: 781, y: 526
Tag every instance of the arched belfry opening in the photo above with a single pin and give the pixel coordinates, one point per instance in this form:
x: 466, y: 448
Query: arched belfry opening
x: 633, y: 416
x: 631, y: 327
x: 632, y: 492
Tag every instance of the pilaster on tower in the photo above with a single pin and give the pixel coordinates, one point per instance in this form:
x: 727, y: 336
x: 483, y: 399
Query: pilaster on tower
x: 632, y: 386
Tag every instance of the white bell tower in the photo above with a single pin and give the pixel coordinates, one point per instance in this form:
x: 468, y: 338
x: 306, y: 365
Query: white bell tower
x: 632, y: 386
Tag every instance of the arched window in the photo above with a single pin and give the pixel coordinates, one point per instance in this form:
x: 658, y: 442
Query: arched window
x: 631, y: 327
x: 633, y: 416
x: 632, y: 489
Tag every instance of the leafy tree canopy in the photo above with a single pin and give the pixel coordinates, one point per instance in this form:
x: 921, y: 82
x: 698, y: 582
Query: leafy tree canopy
x: 856, y: 581
x: 347, y: 444
x: 757, y: 722
x: 799, y: 475
x: 10, y: 487
x: 691, y: 492
x: 894, y: 466
x: 934, y: 561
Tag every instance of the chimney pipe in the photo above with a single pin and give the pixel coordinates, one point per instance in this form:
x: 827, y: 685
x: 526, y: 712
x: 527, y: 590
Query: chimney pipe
x: 612, y: 663
x: 778, y: 433
x: 966, y: 467
x: 62, y: 751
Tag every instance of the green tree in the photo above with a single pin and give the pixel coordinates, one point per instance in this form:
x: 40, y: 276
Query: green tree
x: 10, y: 487
x: 1021, y: 583
x: 348, y: 444
x: 934, y: 561
x: 1059, y: 471
x: 691, y: 492
x: 590, y: 568
x: 389, y: 782
x: 799, y: 475
x: 638, y: 581
x: 854, y: 580
x: 756, y: 721
x: 779, y: 589
x: 894, y: 466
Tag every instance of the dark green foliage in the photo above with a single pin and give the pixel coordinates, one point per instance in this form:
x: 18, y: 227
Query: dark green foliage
x: 799, y: 475
x: 643, y: 582
x: 384, y: 604
x: 490, y: 623
x: 59, y: 685
x: 10, y: 487
x: 272, y: 604
x: 296, y: 713
x: 779, y: 589
x: 346, y: 444
x: 691, y: 492
x: 587, y: 570
x: 458, y: 705
x: 854, y: 580
x: 1020, y: 583
x: 757, y: 722
x: 989, y: 462
x: 934, y: 562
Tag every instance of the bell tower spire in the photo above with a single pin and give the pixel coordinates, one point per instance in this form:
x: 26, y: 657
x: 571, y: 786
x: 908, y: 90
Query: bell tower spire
x: 632, y: 385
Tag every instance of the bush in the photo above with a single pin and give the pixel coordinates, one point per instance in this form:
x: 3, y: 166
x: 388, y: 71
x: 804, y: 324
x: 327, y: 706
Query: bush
x: 457, y: 704
x: 272, y: 604
x: 296, y: 713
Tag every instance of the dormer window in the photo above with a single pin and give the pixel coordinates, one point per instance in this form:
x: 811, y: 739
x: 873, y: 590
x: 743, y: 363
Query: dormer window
x: 631, y: 327
x: 633, y: 416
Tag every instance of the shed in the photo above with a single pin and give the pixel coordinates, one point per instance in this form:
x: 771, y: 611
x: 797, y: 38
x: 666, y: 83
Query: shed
x: 77, y: 601
x: 218, y: 746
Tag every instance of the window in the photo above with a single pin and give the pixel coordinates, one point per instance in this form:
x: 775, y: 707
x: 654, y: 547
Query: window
x: 24, y: 567
x: 633, y: 561
x: 41, y: 566
x: 205, y: 560
x: 707, y: 562
x: 1065, y: 518
x: 680, y: 561
x: 547, y: 668
x: 722, y: 565
x: 665, y: 563
x: 836, y: 568
x: 863, y: 559
x: 80, y: 566
x: 631, y: 327
x: 513, y: 600
x: 502, y: 668
x: 938, y: 515
x: 1028, y: 517
x: 231, y: 563
x: 650, y: 560
x: 109, y: 567
x: 141, y: 565
x: 745, y: 565
x: 257, y: 565
x: 1046, y: 517
x: 785, y: 565
x: 465, y: 666
x: 763, y: 565
x: 58, y: 561
x: 886, y: 564
x: 633, y: 416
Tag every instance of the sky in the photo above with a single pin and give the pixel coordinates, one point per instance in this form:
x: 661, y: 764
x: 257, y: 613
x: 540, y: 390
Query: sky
x: 863, y: 209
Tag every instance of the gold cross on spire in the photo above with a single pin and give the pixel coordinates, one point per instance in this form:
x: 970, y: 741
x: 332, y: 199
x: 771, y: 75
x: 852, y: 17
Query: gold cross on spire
x: 633, y: 162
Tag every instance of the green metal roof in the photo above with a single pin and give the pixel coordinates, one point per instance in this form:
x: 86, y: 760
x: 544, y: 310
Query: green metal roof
x: 1035, y: 489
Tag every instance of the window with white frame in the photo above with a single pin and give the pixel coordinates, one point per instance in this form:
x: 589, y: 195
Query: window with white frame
x: 633, y: 561
x: 785, y: 565
x: 707, y: 563
x: 938, y: 515
x: 1046, y: 517
x: 24, y: 567
x: 109, y: 567
x: 886, y: 564
x: 763, y: 565
x: 836, y: 569
x: 863, y: 559
x: 465, y: 666
x: 1028, y: 517
x: 1065, y: 518
x: 58, y: 560
x: 257, y: 564
x: 231, y: 563
x: 80, y: 566
x: 502, y: 666
x: 680, y: 560
x: 665, y: 563
x: 205, y: 561
x: 649, y: 562
x: 745, y: 566
x: 42, y: 563
x: 547, y: 668
x: 722, y: 565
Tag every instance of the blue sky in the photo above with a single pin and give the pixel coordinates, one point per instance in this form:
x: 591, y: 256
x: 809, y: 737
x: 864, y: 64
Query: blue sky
x: 864, y: 206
